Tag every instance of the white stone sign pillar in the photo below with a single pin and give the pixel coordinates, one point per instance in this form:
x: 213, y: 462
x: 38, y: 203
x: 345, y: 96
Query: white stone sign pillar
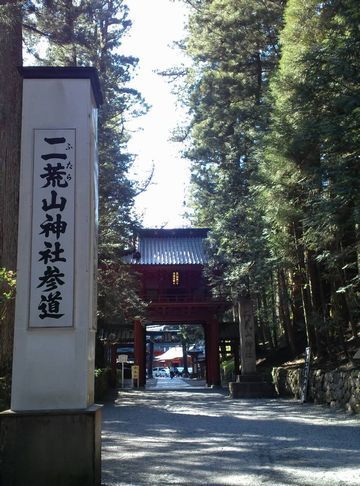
x: 55, y: 322
x: 55, y: 319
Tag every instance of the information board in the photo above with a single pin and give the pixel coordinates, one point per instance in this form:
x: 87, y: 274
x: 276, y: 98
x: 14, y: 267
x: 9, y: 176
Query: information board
x: 135, y: 372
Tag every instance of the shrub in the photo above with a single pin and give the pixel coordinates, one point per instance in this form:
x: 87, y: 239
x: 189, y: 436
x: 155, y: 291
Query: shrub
x: 102, y: 376
x: 7, y: 290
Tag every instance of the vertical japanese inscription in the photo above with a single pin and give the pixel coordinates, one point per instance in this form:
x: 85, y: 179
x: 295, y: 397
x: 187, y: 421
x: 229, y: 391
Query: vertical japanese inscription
x: 52, y: 251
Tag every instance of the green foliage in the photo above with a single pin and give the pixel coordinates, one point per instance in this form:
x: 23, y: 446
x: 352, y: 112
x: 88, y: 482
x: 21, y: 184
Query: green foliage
x: 7, y: 290
x: 234, y: 49
x: 228, y: 369
x: 273, y: 98
x: 190, y: 334
x: 102, y: 382
x: 310, y: 156
x: 89, y: 32
x: 118, y: 294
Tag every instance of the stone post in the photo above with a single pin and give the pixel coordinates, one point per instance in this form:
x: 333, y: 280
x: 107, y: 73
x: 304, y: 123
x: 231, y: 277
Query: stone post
x: 51, y: 435
x: 250, y: 384
x: 247, y: 336
x: 235, y: 350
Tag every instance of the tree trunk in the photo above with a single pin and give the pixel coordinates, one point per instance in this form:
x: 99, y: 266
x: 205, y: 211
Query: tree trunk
x: 260, y: 320
x: 317, y: 300
x: 267, y: 328
x: 305, y: 294
x: 185, y: 362
x: 273, y: 309
x: 284, y: 305
x: 235, y: 348
x: 70, y: 40
x: 349, y: 260
x: 10, y: 132
x: 337, y: 305
x: 259, y: 78
x: 296, y: 301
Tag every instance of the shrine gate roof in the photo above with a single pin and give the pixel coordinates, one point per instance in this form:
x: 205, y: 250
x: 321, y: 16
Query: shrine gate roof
x: 182, y: 246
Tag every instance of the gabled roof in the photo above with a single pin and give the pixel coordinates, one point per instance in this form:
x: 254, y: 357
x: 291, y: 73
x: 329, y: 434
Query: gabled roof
x: 172, y: 353
x: 182, y: 246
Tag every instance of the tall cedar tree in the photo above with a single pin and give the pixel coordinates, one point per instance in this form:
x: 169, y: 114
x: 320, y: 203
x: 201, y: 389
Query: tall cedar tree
x: 89, y: 32
x: 10, y: 128
x: 310, y: 164
x: 286, y: 233
x: 234, y: 48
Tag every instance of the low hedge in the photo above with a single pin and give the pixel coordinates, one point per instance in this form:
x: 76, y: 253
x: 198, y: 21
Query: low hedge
x: 102, y: 382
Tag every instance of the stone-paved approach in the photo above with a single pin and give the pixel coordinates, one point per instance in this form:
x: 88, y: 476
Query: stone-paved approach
x: 201, y: 437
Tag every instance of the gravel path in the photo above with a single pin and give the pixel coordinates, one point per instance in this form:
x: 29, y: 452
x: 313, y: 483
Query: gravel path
x: 201, y: 437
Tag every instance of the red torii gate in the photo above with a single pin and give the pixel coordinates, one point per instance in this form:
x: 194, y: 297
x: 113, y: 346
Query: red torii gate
x: 170, y: 264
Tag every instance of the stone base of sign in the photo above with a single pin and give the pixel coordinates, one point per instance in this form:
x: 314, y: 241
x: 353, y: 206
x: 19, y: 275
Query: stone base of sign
x: 251, y: 385
x: 54, y: 448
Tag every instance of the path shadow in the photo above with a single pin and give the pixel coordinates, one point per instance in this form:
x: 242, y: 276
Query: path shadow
x: 211, y: 436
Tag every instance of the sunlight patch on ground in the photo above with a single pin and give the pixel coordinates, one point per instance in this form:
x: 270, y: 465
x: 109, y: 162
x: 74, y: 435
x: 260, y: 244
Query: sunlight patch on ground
x: 185, y: 410
x: 196, y: 438
x: 314, y: 476
x: 284, y: 439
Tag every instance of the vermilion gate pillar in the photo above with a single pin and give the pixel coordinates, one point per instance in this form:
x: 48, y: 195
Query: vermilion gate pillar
x: 140, y: 350
x: 212, y: 352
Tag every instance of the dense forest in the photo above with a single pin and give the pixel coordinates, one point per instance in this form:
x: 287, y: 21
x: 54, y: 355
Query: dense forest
x: 273, y: 137
x: 272, y: 94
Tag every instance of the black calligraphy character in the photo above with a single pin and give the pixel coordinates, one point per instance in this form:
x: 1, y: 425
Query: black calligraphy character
x: 69, y: 146
x: 56, y: 227
x: 54, y: 175
x: 53, y: 204
x: 50, y: 306
x: 69, y: 165
x: 51, y: 254
x: 51, y: 279
x: 54, y: 156
x: 55, y: 140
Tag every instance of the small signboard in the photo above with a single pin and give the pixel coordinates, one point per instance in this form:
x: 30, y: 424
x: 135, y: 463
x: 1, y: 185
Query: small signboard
x: 122, y: 358
x: 306, y: 372
x: 135, y: 372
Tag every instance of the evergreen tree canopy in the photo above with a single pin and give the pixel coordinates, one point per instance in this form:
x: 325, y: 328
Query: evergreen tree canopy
x: 273, y: 98
x: 90, y: 32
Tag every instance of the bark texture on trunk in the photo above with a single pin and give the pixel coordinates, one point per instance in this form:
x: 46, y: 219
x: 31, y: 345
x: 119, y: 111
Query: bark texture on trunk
x: 10, y: 132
